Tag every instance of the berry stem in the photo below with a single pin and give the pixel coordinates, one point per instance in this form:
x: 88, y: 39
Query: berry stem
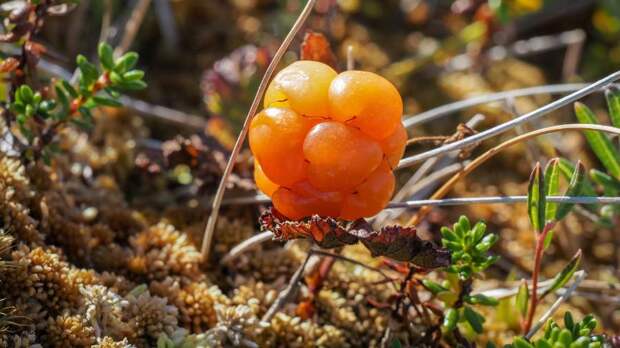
x: 207, y: 238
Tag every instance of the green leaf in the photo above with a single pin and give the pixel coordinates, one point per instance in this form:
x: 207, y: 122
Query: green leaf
x: 536, y: 201
x: 133, y: 75
x: 610, y: 185
x: 520, y: 342
x: 433, y: 287
x: 564, y: 276
x: 107, y: 102
x: 67, y: 86
x: 90, y: 74
x: 126, y: 62
x: 575, y: 188
x: 132, y: 85
x: 474, y: 319
x: 106, y: 56
x: 568, y: 320
x: 482, y: 300
x: 523, y: 298
x: 450, y: 319
x: 600, y: 143
x: 612, y: 94
x: 552, y: 187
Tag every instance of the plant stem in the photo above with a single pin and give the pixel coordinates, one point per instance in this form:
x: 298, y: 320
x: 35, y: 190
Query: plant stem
x: 538, y: 253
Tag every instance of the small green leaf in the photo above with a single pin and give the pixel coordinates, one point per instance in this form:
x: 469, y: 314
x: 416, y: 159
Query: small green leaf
x: 548, y: 240
x: 132, y: 85
x: 552, y: 187
x: 85, y: 112
x: 133, y: 75
x: 450, y: 319
x: 67, y: 86
x: 126, y: 62
x: 89, y: 72
x: 600, y: 143
x: 612, y: 94
x: 575, y: 188
x: 523, y: 298
x: 433, y: 287
x: 481, y: 300
x: 107, y: 102
x: 520, y: 342
x: 474, y: 319
x: 568, y: 320
x: 536, y: 201
x: 610, y: 184
x: 106, y: 55
x: 564, y: 276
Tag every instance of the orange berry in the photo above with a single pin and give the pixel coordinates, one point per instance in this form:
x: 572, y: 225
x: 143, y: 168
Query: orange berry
x: 302, y: 86
x: 394, y: 145
x: 340, y: 156
x: 367, y: 101
x: 276, y: 139
x: 302, y: 200
x: 370, y: 197
x: 263, y: 183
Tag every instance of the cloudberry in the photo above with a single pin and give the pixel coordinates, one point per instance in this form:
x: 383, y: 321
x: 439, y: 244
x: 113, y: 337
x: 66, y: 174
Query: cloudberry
x: 326, y: 143
x: 302, y: 86
x: 366, y: 100
x: 340, y: 157
x: 263, y: 183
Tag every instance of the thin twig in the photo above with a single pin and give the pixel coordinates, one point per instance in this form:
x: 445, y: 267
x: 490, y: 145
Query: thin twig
x: 499, y: 129
x: 447, y: 109
x: 246, y: 245
x: 286, y: 294
x: 447, y: 187
x: 579, y: 277
x: 355, y: 262
x: 132, y: 26
x: 258, y: 199
x: 215, y: 209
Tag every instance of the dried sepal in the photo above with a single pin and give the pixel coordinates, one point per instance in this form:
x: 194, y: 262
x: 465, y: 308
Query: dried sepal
x: 396, y: 242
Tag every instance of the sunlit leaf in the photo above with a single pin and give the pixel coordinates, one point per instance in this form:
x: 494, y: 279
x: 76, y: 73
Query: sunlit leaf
x: 523, y: 298
x: 552, y: 188
x: 575, y: 188
x: 536, y: 201
x: 565, y: 275
x: 612, y: 94
x: 600, y: 143
x: 474, y: 319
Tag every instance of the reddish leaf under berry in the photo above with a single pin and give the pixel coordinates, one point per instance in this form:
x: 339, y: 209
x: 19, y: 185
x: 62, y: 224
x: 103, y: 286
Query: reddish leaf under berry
x: 396, y: 242
x: 316, y: 47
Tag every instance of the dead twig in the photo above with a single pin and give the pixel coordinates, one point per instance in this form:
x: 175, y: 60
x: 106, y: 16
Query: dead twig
x: 215, y: 208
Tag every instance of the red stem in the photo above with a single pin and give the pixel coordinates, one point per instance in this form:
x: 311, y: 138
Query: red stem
x: 540, y: 248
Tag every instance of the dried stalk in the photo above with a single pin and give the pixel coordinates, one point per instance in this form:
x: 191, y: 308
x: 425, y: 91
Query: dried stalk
x: 442, y: 191
x: 132, y: 26
x: 215, y: 209
x: 499, y: 129
x: 447, y: 109
x: 286, y: 294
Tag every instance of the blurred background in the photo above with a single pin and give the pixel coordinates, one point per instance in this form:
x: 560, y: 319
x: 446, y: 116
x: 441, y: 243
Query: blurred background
x: 206, y: 57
